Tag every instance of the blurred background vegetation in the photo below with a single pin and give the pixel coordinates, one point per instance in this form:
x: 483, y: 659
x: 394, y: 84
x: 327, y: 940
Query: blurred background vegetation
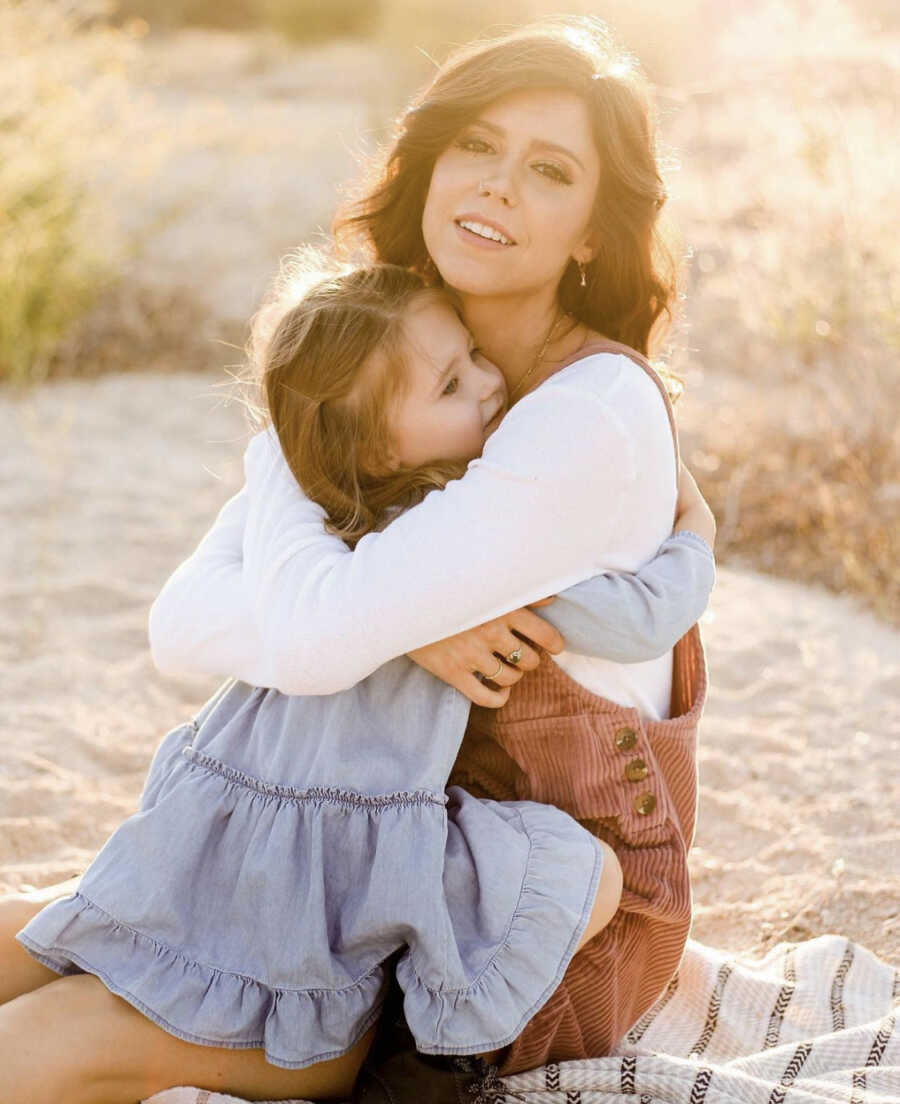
x: 157, y: 157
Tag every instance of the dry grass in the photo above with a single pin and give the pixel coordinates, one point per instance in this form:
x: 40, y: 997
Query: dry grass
x: 788, y: 186
x: 134, y: 328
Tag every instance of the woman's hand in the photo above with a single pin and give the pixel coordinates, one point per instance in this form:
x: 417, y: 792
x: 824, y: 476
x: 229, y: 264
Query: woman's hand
x: 467, y: 659
x: 692, y: 510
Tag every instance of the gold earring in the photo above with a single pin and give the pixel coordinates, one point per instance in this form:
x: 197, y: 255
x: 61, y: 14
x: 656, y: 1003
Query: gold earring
x: 583, y: 280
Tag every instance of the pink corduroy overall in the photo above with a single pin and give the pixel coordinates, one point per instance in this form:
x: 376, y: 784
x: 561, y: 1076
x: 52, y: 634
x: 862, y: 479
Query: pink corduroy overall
x: 631, y: 782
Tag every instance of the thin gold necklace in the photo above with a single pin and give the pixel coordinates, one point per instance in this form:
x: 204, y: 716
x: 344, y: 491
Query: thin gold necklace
x: 534, y: 367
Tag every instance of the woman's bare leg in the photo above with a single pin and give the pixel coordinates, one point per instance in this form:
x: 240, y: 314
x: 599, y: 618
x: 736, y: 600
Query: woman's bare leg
x: 609, y: 894
x: 19, y: 972
x: 74, y: 1042
x: 606, y: 904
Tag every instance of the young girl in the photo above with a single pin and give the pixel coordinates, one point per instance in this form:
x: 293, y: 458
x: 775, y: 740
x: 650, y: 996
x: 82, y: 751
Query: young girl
x: 290, y: 851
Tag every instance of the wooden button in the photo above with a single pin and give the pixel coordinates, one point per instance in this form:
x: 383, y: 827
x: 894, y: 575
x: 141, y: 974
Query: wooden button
x: 625, y: 738
x: 637, y: 770
x: 645, y: 804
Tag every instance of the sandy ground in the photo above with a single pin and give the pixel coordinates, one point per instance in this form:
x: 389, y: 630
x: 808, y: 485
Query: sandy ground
x: 107, y: 484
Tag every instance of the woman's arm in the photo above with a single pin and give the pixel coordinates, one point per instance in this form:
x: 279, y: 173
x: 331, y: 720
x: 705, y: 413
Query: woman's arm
x: 200, y: 623
x: 625, y: 617
x: 646, y: 612
x: 540, y: 511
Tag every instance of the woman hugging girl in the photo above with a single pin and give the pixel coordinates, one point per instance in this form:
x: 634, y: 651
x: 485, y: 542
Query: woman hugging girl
x: 297, y: 844
x: 290, y: 852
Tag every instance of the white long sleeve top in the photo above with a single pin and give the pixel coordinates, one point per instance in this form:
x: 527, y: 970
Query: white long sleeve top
x: 579, y: 479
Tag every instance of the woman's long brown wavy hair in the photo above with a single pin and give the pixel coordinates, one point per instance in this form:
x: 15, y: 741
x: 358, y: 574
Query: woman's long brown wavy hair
x: 631, y: 279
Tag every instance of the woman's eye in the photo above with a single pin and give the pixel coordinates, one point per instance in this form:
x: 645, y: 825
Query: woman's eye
x: 553, y: 172
x: 452, y: 386
x: 474, y: 145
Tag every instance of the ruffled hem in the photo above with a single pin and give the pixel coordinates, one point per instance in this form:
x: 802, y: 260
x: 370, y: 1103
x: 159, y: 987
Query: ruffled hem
x: 557, y: 897
x: 208, y: 1006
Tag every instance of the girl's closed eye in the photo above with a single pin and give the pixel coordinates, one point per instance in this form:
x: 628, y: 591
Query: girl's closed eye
x: 452, y: 386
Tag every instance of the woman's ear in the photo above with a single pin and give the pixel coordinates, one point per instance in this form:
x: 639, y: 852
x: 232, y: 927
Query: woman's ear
x: 588, y: 249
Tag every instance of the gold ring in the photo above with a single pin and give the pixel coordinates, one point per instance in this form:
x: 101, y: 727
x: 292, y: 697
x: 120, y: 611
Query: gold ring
x: 514, y: 657
x: 497, y: 672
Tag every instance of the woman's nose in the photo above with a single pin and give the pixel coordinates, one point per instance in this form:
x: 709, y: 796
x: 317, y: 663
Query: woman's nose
x: 499, y: 186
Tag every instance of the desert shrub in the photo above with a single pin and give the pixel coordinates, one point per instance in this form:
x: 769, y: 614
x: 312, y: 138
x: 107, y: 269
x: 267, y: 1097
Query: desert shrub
x: 57, y: 70
x: 820, y: 502
x: 48, y: 275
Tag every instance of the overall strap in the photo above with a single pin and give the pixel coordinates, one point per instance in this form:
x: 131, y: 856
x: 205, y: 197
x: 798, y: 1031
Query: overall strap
x: 606, y: 345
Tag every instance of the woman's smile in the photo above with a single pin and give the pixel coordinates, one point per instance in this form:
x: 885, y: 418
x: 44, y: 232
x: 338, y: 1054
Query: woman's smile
x: 483, y: 230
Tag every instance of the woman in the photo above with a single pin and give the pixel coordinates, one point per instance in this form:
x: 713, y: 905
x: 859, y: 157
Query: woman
x: 525, y: 180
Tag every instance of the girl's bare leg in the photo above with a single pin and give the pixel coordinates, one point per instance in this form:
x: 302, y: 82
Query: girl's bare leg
x: 74, y: 1042
x: 19, y: 972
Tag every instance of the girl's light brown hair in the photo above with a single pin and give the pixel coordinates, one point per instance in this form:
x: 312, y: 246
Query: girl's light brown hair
x: 631, y: 280
x: 328, y: 366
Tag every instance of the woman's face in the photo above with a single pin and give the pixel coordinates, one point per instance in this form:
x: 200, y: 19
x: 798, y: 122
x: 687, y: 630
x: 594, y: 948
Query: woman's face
x: 510, y: 200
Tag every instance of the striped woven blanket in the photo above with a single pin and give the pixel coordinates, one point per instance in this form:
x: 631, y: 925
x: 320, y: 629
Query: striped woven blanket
x: 810, y: 1023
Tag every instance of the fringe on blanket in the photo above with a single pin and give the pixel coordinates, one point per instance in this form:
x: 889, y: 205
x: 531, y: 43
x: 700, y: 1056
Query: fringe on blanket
x: 810, y: 1023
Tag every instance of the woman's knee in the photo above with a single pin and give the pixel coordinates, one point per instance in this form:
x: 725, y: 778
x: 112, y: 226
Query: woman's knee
x: 609, y: 894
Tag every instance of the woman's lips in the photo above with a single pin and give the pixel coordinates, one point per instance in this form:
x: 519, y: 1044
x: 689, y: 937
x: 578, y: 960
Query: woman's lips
x: 471, y: 238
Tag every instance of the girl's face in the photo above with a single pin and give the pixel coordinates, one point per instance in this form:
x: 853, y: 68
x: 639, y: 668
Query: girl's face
x: 454, y: 398
x: 510, y: 200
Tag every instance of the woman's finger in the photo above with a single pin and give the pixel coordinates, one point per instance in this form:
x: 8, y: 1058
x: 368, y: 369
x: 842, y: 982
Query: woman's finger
x: 525, y: 623
x: 491, y: 667
x: 688, y: 492
x: 693, y: 511
x: 480, y: 693
x: 515, y: 651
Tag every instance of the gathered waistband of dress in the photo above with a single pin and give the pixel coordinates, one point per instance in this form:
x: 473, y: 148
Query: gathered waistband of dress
x: 314, y: 795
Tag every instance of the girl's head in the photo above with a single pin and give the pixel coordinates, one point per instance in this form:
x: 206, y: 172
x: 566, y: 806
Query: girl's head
x: 544, y: 135
x: 376, y: 392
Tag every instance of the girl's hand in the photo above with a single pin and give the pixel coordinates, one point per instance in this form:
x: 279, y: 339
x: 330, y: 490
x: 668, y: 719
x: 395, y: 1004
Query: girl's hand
x: 692, y: 511
x: 466, y: 659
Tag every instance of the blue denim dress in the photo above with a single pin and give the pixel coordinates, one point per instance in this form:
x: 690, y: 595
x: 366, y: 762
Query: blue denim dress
x: 259, y: 900
x: 290, y: 852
